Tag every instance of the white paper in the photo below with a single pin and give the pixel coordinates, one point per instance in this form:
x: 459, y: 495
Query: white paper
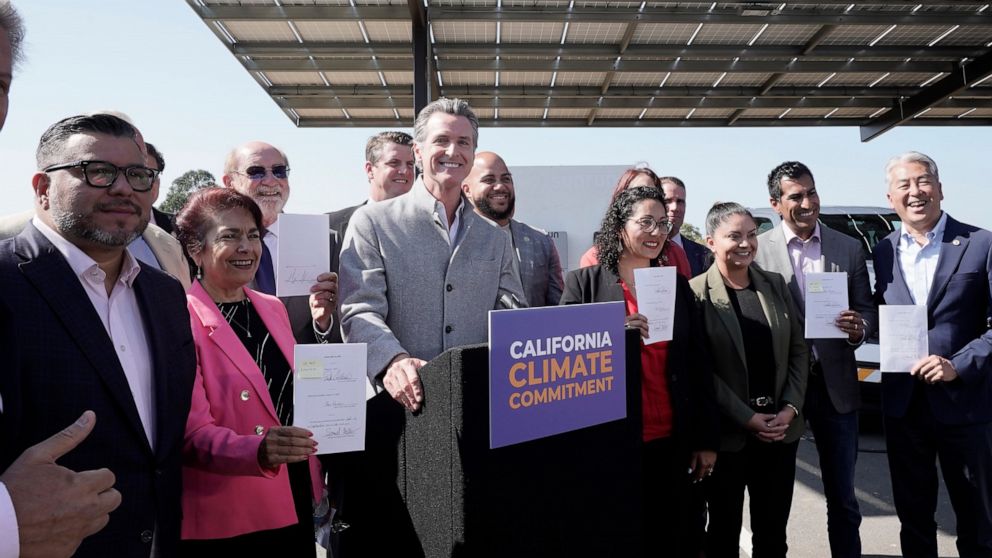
x: 826, y: 298
x: 656, y: 301
x: 304, y: 253
x: 902, y: 336
x: 329, y: 394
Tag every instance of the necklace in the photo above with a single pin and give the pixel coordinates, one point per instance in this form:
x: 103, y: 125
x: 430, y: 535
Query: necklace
x: 230, y: 310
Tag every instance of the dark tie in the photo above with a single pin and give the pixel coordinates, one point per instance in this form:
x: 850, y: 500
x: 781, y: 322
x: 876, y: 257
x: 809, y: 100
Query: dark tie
x: 265, y: 278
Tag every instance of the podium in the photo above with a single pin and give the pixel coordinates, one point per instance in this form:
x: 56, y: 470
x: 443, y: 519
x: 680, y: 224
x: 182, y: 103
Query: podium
x: 432, y: 487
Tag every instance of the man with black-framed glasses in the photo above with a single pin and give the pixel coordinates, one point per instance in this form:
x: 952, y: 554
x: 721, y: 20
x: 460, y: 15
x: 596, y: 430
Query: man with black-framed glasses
x: 261, y: 171
x: 86, y: 326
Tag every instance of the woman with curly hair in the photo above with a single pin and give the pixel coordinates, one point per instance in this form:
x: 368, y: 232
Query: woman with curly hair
x: 671, y: 254
x: 679, y: 418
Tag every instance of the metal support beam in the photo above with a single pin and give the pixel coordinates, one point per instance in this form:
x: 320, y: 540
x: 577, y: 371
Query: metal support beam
x: 650, y: 51
x: 424, y: 81
x: 887, y: 93
x: 906, y: 110
x: 604, y: 65
x: 613, y: 14
x: 611, y: 101
x: 643, y: 123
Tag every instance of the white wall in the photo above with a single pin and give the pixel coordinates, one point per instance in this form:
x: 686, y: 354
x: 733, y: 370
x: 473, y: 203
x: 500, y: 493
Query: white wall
x: 565, y: 198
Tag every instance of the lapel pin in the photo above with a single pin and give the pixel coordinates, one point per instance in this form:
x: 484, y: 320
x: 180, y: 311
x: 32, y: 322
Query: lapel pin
x: 956, y: 242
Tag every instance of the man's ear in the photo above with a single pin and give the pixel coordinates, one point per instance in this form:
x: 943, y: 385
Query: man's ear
x: 41, y: 183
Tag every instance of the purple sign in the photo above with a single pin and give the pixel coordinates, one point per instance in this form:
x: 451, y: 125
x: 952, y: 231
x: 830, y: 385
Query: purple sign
x: 554, y: 370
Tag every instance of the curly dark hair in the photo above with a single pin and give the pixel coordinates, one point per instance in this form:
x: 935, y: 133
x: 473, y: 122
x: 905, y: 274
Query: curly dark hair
x: 608, y: 244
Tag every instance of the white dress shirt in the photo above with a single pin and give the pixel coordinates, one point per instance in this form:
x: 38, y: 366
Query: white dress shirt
x: 121, y: 317
x: 677, y: 239
x: 919, y: 263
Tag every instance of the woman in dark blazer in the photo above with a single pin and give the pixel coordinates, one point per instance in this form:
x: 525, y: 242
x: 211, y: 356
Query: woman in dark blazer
x: 679, y: 414
x: 761, y: 363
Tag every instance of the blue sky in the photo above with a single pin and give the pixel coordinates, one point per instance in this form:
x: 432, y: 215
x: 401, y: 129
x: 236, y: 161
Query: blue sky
x: 156, y: 61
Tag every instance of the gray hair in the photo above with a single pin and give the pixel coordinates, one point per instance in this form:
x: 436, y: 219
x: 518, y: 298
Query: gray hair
x: 445, y: 105
x: 912, y: 157
x: 720, y: 212
x: 11, y: 22
x: 231, y: 161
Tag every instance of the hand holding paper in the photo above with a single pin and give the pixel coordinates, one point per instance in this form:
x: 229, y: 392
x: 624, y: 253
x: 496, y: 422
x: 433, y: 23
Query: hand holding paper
x: 304, y: 253
x: 329, y: 395
x: 656, y: 301
x: 902, y: 336
x: 826, y: 298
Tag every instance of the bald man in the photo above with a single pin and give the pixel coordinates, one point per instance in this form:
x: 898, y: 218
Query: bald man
x: 261, y: 172
x: 489, y: 186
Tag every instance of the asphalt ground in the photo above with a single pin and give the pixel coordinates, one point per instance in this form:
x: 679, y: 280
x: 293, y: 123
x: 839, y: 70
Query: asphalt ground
x: 879, y: 527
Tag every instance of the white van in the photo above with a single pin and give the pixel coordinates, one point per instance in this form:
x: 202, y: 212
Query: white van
x: 868, y: 225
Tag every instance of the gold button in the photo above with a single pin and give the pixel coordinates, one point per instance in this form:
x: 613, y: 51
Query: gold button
x: 259, y: 430
x: 244, y: 395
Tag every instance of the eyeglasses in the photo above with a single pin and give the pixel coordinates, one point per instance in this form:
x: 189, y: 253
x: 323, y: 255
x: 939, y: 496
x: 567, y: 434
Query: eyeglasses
x: 649, y: 224
x: 101, y: 174
x: 258, y: 172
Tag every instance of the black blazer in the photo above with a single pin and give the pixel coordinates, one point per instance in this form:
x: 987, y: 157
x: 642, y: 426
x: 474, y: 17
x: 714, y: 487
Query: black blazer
x: 59, y: 361
x: 690, y: 385
x: 165, y: 221
x: 698, y: 255
x: 339, y: 222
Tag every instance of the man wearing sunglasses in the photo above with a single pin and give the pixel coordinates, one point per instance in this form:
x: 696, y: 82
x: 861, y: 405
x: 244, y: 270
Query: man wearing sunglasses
x: 261, y: 172
x: 86, y: 327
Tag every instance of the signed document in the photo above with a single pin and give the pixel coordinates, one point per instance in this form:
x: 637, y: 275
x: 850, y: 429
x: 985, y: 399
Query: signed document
x: 656, y: 301
x: 902, y: 336
x: 826, y: 298
x: 304, y: 253
x: 329, y: 394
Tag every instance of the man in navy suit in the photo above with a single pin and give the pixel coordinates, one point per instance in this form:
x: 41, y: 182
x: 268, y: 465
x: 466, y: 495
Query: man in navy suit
x: 85, y: 326
x: 697, y: 254
x: 942, y: 409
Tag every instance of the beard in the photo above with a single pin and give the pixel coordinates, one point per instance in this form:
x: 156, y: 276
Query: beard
x: 75, y: 224
x: 489, y: 211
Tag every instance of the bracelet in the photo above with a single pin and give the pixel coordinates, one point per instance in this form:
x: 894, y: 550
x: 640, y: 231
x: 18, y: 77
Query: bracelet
x: 793, y: 407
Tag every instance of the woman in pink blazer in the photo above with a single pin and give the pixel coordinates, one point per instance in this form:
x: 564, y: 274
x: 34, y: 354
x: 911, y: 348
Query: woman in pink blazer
x: 249, y: 479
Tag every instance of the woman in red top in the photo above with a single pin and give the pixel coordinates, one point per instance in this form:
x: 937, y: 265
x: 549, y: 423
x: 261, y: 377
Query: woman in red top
x: 678, y: 406
x: 671, y: 254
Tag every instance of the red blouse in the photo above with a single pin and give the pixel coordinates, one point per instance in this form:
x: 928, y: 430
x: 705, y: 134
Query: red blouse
x: 655, y: 400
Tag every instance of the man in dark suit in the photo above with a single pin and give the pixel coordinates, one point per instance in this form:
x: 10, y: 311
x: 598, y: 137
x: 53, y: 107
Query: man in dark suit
x: 800, y: 244
x: 942, y: 409
x: 85, y: 326
x: 261, y: 172
x: 162, y: 219
x: 489, y: 186
x: 45, y: 509
x: 389, y: 166
x: 698, y: 255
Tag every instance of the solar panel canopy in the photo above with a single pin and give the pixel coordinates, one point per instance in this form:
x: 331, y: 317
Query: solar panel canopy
x: 531, y: 63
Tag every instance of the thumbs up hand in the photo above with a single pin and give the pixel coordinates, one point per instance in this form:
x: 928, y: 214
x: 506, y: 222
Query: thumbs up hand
x: 57, y: 508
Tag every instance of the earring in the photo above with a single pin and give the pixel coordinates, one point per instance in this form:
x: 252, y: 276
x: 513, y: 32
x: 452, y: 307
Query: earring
x: 199, y: 273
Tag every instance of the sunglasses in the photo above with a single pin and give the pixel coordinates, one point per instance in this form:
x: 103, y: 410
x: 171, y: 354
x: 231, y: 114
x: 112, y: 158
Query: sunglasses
x: 258, y: 172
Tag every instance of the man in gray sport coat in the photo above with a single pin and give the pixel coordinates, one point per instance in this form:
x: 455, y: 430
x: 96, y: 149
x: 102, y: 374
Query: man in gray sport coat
x: 489, y: 187
x: 419, y: 272
x: 800, y: 244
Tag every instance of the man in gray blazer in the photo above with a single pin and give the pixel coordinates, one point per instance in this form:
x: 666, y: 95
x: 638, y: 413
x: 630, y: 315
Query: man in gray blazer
x: 800, y: 244
x: 489, y: 186
x: 420, y: 272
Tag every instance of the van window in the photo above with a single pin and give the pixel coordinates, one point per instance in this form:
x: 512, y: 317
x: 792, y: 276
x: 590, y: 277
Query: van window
x: 868, y: 228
